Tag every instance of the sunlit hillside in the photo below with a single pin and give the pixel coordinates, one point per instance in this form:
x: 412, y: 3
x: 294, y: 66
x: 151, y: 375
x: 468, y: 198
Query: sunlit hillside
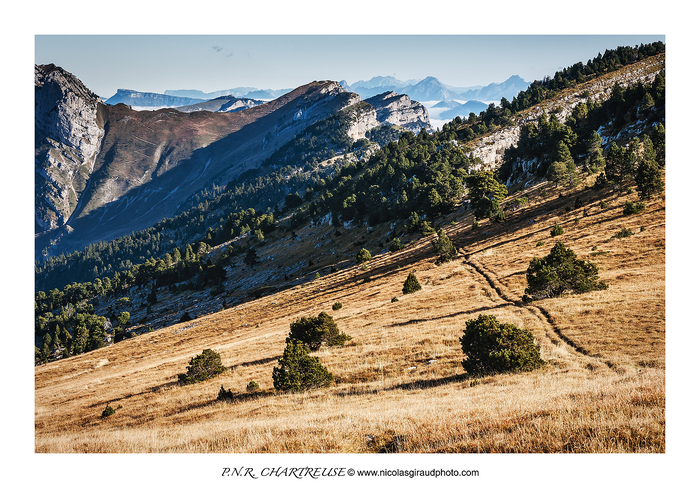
x: 399, y: 385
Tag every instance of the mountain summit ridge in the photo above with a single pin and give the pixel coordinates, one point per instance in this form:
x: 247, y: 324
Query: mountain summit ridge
x: 137, y: 167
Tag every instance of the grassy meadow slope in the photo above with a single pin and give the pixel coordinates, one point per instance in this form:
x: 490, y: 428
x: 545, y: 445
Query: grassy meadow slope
x: 399, y: 384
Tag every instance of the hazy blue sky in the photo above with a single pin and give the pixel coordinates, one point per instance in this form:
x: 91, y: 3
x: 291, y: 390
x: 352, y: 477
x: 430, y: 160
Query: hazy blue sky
x: 155, y: 63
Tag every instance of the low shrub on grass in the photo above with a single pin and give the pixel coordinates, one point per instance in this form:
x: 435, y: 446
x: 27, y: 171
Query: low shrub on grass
x: 631, y: 208
x: 495, y: 347
x: 224, y: 394
x: 317, y: 331
x: 202, y: 367
x: 559, y: 272
x: 411, y: 284
x: 297, y: 371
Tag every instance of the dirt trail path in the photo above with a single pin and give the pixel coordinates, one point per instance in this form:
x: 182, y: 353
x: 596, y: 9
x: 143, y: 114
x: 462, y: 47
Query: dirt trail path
x: 553, y: 332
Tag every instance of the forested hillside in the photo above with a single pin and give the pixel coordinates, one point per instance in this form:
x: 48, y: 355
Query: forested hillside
x: 406, y: 181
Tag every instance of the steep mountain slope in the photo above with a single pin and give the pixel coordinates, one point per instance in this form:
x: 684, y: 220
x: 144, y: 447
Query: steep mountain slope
x: 68, y: 138
x: 397, y: 109
x: 399, y: 382
x: 142, y: 165
x: 491, y: 148
x: 149, y: 162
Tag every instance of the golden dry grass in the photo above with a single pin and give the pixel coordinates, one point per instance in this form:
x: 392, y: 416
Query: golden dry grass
x: 399, y: 382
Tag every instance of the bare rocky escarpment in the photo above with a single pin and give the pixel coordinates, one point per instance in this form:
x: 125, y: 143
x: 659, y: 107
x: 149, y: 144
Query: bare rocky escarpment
x: 492, y: 147
x: 109, y: 170
x: 68, y: 138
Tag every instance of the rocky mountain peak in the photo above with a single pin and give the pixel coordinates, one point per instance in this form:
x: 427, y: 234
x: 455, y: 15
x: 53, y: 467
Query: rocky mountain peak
x: 68, y: 139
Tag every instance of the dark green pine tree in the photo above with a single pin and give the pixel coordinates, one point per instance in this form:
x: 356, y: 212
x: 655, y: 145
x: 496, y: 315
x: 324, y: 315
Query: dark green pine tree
x: 297, y: 371
x: 648, y: 177
x: 411, y: 285
x: 596, y: 161
x: 560, y: 272
x: 614, y: 163
x: 443, y: 247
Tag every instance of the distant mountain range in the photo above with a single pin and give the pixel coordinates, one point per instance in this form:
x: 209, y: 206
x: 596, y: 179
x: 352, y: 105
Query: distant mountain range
x: 430, y: 89
x: 240, y: 92
x: 106, y: 170
x: 463, y: 109
x: 226, y: 103
x: 182, y: 98
x: 149, y: 100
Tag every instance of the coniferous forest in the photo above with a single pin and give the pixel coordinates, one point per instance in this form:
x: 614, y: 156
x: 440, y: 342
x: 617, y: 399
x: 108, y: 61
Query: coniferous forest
x: 390, y: 176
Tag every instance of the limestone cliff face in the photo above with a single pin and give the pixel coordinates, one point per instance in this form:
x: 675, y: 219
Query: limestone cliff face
x: 108, y: 170
x: 395, y: 109
x: 491, y: 148
x: 388, y: 108
x: 68, y: 139
x: 363, y: 119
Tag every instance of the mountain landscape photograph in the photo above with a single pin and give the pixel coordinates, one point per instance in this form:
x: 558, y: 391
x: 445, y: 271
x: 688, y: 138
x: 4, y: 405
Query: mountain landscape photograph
x: 294, y: 253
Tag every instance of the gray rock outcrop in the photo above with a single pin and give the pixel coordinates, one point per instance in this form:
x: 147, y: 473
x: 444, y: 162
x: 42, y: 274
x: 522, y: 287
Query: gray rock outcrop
x: 395, y: 109
x: 67, y: 141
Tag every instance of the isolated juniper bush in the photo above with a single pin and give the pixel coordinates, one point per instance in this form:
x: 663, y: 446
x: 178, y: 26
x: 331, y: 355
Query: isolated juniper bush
x: 491, y: 346
x: 202, y: 367
x: 560, y: 272
x: 297, y: 371
x: 411, y: 284
x: 317, y: 331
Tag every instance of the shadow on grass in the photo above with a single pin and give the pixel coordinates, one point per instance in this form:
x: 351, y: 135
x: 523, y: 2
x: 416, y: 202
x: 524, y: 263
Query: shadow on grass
x: 357, y: 390
x: 452, y: 315
x: 257, y: 362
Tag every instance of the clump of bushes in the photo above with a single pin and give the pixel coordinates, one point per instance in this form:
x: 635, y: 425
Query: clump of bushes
x: 317, y: 331
x: 559, y: 272
x: 443, y: 247
x: 495, y: 347
x: 631, y: 208
x: 426, y: 229
x: 224, y: 394
x: 202, y: 367
x: 394, y: 299
x: 297, y: 371
x: 109, y: 410
x: 624, y: 232
x: 337, y: 306
x: 411, y: 284
x: 363, y: 256
x: 395, y: 245
x: 252, y: 386
x: 557, y: 230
